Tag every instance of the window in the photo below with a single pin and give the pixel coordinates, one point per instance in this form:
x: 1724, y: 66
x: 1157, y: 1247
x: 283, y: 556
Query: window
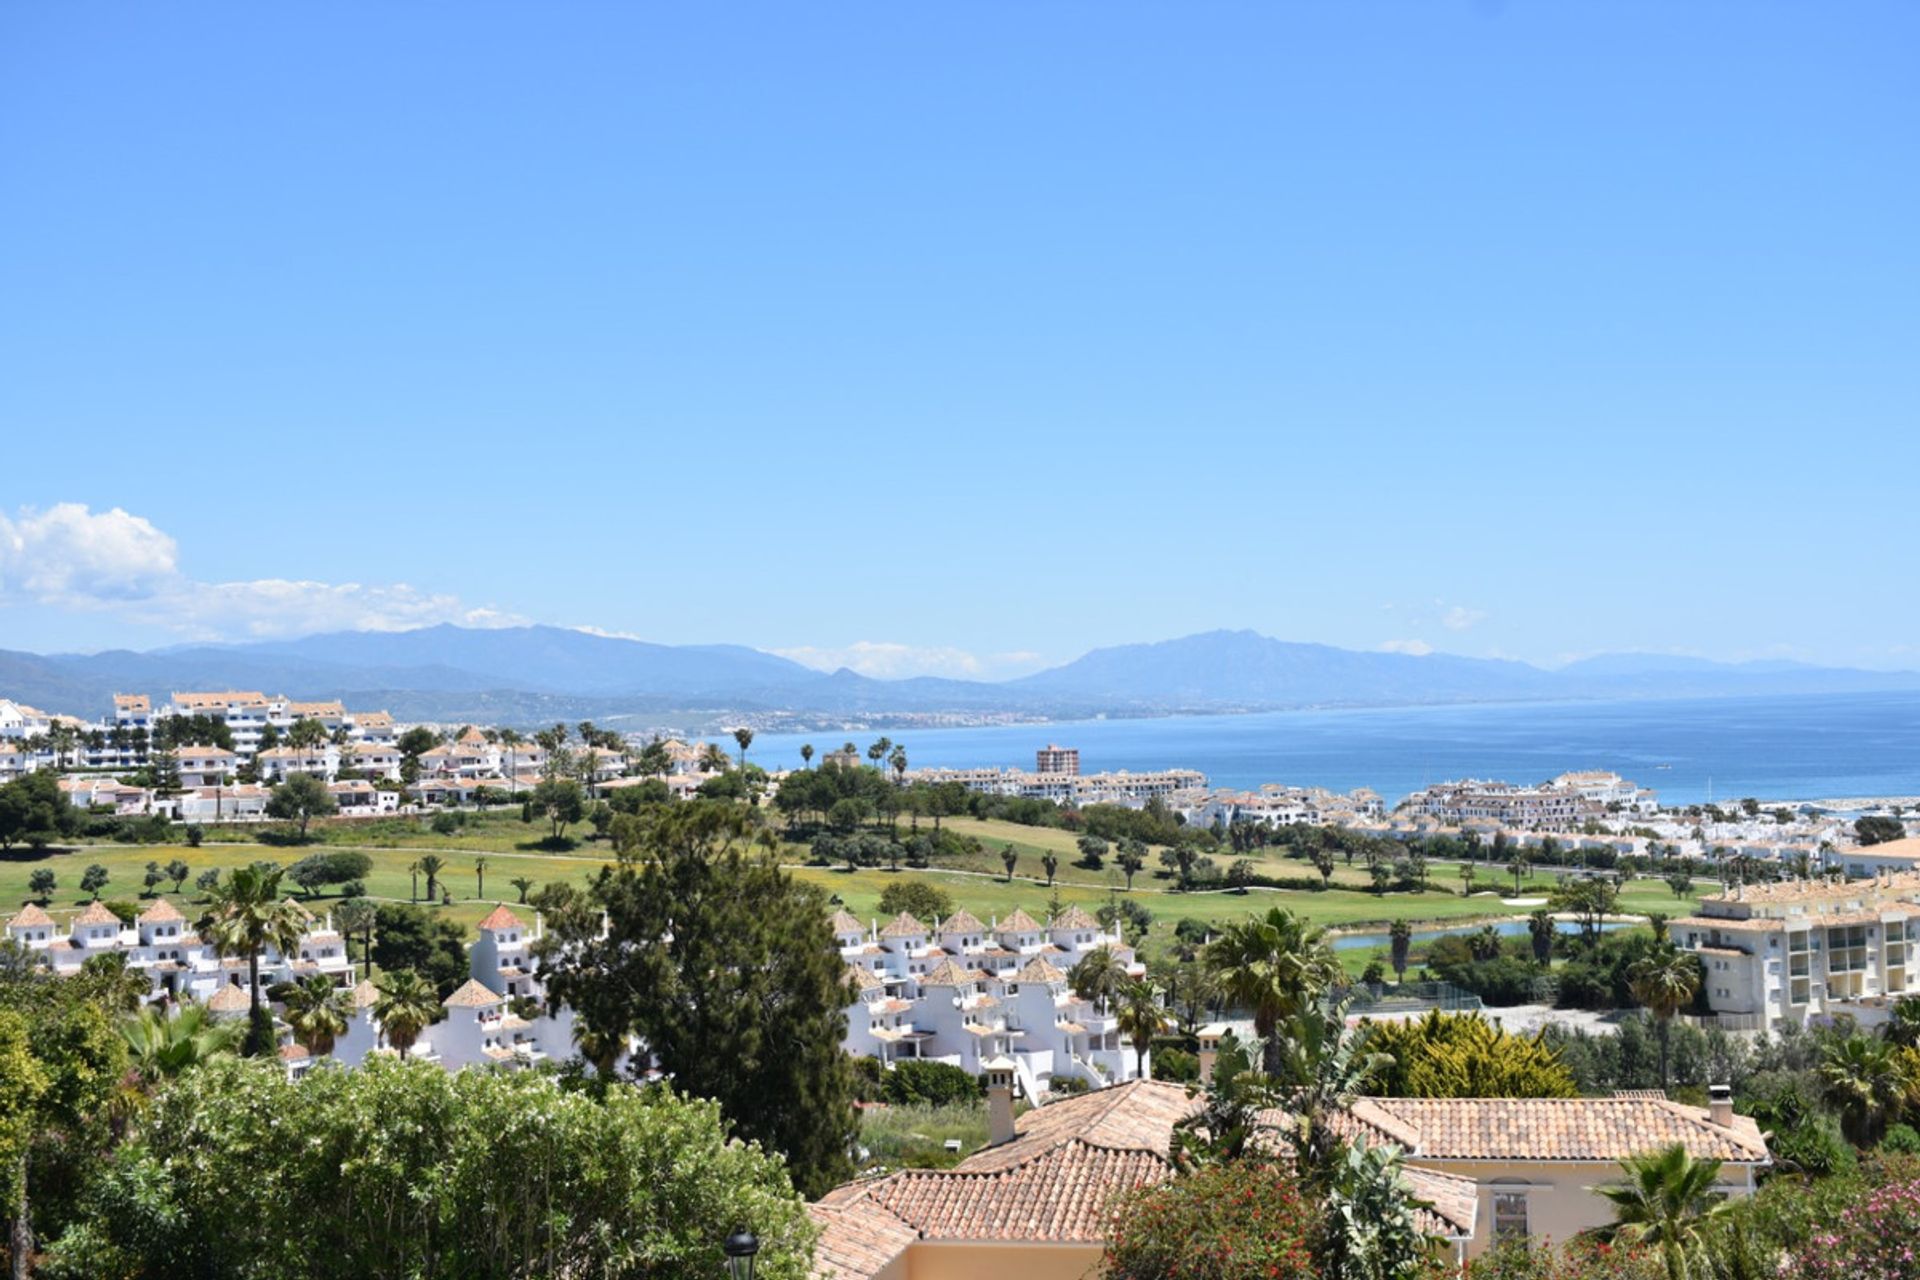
x: 1509, y: 1215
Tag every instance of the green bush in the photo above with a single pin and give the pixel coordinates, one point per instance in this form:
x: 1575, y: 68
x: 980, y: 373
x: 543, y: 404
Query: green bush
x: 930, y: 1083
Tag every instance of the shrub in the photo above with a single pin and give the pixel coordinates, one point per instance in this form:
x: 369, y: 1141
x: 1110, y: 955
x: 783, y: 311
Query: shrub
x: 195, y: 834
x: 1876, y: 1238
x: 1239, y: 1219
x: 1580, y: 1260
x: 1176, y: 1065
x: 916, y: 897
x: 932, y: 1083
x: 1901, y: 1139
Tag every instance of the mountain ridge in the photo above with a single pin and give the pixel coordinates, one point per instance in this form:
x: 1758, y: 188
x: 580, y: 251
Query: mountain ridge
x: 533, y: 673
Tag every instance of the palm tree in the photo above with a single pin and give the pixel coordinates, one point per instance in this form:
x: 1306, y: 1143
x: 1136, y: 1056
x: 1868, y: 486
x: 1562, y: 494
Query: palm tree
x: 806, y: 754
x: 1099, y: 976
x: 405, y: 1004
x: 743, y: 736
x: 511, y: 739
x: 160, y: 1046
x: 898, y: 759
x: 479, y: 877
x: 1400, y: 935
x: 1274, y: 966
x: 413, y: 869
x: 1540, y: 929
x: 1139, y: 1017
x: 1467, y: 873
x: 1518, y: 867
x: 1130, y: 863
x: 523, y: 884
x: 317, y: 1010
x: 431, y: 865
x: 358, y: 915
x: 1007, y: 858
x: 1866, y: 1079
x: 1666, y: 1200
x: 1049, y: 864
x: 1665, y: 981
x: 245, y: 916
x: 1903, y: 1022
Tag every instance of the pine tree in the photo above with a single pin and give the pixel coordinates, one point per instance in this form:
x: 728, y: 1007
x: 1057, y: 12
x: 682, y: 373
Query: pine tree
x: 746, y: 1005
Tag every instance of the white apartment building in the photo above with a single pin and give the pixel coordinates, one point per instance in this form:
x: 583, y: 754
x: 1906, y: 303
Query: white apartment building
x: 965, y: 993
x: 1781, y: 953
x: 1603, y: 788
x: 1875, y: 859
x: 1543, y: 808
x: 177, y: 961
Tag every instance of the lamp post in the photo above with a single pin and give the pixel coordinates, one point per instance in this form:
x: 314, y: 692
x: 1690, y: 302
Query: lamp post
x: 740, y: 1249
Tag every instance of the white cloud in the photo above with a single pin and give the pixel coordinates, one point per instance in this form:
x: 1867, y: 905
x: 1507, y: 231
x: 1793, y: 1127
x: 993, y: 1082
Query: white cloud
x: 69, y: 557
x: 1460, y: 618
x: 888, y: 660
x: 1416, y: 648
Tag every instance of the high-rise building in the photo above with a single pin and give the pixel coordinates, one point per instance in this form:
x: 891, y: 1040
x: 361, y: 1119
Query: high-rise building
x: 1052, y: 759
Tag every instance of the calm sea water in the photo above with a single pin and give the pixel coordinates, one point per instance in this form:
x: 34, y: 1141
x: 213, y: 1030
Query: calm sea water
x: 1794, y: 748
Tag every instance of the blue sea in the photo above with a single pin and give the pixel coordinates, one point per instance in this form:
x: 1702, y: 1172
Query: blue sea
x: 1784, y: 748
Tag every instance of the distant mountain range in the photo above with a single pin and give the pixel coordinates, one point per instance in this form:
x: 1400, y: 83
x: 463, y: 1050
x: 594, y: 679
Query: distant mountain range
x: 529, y: 675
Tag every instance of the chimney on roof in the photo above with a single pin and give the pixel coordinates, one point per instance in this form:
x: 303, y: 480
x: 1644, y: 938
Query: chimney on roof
x: 1720, y: 1104
x: 999, y: 1073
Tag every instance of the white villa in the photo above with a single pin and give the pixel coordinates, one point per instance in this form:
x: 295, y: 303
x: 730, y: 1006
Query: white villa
x: 966, y: 993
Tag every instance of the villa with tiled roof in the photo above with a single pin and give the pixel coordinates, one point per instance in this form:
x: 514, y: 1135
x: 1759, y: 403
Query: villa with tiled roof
x: 1033, y: 1203
x: 964, y: 992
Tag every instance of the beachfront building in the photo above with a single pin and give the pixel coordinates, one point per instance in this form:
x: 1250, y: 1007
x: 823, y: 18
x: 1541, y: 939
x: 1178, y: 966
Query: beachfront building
x: 1607, y: 790
x: 1782, y: 953
x: 1501, y: 804
x: 1052, y: 759
x: 1876, y: 859
x: 967, y: 993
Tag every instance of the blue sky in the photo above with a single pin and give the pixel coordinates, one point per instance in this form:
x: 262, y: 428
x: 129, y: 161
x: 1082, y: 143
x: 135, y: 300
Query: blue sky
x: 962, y: 338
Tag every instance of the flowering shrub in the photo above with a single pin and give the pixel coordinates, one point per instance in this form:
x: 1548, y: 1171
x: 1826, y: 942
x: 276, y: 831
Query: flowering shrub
x: 1876, y: 1238
x: 1241, y: 1220
x: 1580, y: 1260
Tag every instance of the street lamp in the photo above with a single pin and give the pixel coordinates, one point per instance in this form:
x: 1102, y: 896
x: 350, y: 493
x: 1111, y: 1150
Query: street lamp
x: 740, y: 1248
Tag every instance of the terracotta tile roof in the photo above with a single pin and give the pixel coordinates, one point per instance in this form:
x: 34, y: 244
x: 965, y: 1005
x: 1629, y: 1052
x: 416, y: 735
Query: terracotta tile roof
x: 950, y: 974
x: 230, y: 998
x: 1073, y: 918
x: 1605, y: 1130
x: 846, y: 922
x: 962, y: 922
x: 294, y: 1053
x: 31, y: 914
x: 500, y: 918
x: 316, y: 709
x: 161, y: 912
x: 858, y: 1238
x: 96, y: 913
x: 372, y: 719
x: 1040, y: 969
x: 1018, y: 922
x: 132, y: 701
x: 472, y: 995
x: 903, y: 926
x: 863, y: 979
x: 364, y: 994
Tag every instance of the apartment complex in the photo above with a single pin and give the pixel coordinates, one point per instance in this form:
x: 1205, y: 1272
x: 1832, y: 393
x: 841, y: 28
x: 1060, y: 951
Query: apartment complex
x: 1782, y: 953
x: 1558, y: 805
x: 966, y: 993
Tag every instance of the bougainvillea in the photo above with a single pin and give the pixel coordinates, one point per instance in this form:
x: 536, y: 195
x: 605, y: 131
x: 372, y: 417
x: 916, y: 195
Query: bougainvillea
x: 1876, y: 1238
x: 1241, y: 1220
x: 1581, y: 1259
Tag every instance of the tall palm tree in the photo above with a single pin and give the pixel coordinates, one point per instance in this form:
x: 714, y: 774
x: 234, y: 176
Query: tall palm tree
x: 317, y: 1010
x: 1540, y: 928
x: 245, y: 915
x: 1050, y: 864
x: 1903, y: 1022
x: 898, y: 759
x: 1007, y: 859
x: 413, y: 869
x: 1400, y: 936
x: 806, y: 754
x: 405, y: 1005
x: 161, y: 1046
x: 479, y: 877
x: 1666, y: 1200
x: 1139, y: 1017
x: 358, y: 915
x: 1665, y: 981
x: 1867, y: 1080
x: 523, y: 884
x: 431, y: 865
x: 1274, y: 966
x: 743, y: 736
x: 1099, y: 976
